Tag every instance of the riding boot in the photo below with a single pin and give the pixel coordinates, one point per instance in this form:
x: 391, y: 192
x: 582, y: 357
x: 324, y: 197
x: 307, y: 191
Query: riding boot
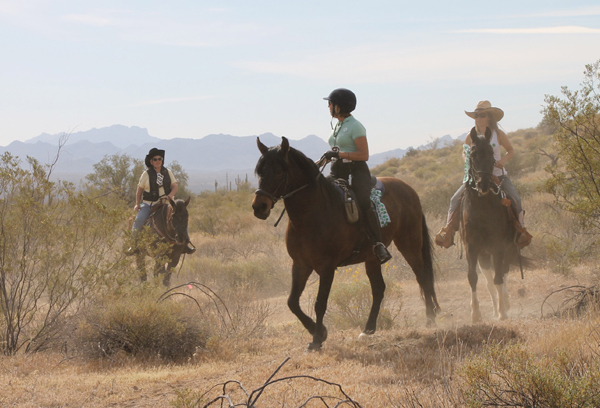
x: 445, y: 238
x: 523, y: 237
x: 373, y: 226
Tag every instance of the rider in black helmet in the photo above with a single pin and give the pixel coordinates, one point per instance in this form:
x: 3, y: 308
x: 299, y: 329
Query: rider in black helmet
x: 349, y: 155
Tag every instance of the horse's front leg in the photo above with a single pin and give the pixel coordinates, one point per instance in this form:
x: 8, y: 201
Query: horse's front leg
x: 472, y: 255
x: 325, y: 282
x: 167, y: 275
x: 160, y: 268
x: 172, y: 262
x: 300, y: 275
x: 501, y: 267
x: 488, y: 273
x: 377, y: 290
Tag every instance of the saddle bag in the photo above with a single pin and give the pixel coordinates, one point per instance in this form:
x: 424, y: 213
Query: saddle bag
x: 351, y: 207
x: 349, y: 199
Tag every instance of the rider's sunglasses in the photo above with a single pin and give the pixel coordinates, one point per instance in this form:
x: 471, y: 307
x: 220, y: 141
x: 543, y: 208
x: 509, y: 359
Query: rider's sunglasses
x: 157, y: 159
x: 480, y: 115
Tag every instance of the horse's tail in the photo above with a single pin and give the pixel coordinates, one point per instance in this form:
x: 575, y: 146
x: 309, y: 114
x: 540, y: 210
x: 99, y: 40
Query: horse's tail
x: 427, y: 255
x: 520, y: 261
x: 528, y: 263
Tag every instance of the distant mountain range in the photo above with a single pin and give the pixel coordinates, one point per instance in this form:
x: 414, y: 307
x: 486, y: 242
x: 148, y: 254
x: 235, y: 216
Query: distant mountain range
x: 214, y: 158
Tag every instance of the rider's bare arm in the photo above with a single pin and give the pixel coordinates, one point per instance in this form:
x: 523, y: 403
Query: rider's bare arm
x: 362, y: 154
x: 174, y: 189
x: 510, y: 152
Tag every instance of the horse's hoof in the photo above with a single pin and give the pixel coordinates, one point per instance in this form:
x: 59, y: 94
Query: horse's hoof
x: 314, y: 346
x: 430, y: 323
x: 365, y: 336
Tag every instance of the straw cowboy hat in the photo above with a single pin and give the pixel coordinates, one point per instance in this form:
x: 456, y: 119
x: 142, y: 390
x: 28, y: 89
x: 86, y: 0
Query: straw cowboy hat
x: 486, y: 106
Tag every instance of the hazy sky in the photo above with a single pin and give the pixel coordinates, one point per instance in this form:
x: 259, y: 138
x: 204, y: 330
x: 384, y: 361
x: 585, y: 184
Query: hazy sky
x: 192, y: 68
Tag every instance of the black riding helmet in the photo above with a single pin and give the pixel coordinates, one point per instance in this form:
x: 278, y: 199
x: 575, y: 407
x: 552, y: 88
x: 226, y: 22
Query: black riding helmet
x: 344, y: 98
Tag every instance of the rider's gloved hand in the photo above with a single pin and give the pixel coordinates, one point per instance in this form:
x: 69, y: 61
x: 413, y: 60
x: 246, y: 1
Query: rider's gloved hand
x: 331, y: 154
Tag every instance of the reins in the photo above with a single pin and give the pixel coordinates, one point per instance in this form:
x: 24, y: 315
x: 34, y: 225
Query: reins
x: 472, y: 183
x: 168, y: 222
x: 275, y: 199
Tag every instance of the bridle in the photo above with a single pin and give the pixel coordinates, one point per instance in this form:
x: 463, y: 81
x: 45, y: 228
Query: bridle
x: 481, y: 174
x: 274, y: 199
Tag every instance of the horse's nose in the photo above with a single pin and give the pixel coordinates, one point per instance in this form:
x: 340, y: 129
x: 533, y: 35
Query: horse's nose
x: 261, y: 211
x: 483, y: 188
x: 261, y: 208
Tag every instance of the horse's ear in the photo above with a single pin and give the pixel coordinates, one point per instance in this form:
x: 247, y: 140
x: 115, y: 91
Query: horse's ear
x: 171, y: 201
x: 187, y: 201
x: 285, y: 146
x: 263, y: 149
x: 488, y: 134
x: 473, y: 134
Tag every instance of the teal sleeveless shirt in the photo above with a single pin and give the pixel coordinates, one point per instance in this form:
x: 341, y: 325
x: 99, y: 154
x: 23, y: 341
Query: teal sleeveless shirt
x: 345, y: 133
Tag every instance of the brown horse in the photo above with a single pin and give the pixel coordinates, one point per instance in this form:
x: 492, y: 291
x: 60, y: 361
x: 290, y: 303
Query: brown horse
x: 487, y: 230
x: 320, y: 239
x: 168, y: 226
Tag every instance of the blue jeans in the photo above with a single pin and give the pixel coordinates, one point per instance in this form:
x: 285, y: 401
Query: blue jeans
x: 142, y: 216
x: 511, y: 192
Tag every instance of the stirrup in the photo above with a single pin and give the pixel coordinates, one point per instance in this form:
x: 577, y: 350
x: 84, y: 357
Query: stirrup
x: 381, y: 253
x: 522, y: 238
x: 445, y: 238
x: 189, y: 248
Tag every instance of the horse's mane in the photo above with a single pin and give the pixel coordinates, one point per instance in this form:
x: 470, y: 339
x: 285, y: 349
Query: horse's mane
x: 310, y: 168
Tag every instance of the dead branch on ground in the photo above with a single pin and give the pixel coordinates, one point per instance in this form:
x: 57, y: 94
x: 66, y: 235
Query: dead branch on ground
x: 252, y: 398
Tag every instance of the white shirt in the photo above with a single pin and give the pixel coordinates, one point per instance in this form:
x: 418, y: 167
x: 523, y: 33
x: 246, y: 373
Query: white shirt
x: 497, y: 154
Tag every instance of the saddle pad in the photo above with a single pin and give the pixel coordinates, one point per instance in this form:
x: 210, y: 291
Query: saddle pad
x: 384, y: 218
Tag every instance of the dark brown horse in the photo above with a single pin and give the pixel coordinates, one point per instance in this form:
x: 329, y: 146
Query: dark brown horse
x: 320, y: 239
x: 168, y: 226
x: 487, y: 230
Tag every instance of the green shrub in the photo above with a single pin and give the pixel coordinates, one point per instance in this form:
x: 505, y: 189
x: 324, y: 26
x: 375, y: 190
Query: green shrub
x: 139, y: 326
x: 56, y: 246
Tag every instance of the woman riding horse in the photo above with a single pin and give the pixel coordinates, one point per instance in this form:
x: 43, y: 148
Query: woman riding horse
x: 319, y: 237
x: 485, y: 117
x: 487, y: 228
x: 349, y: 154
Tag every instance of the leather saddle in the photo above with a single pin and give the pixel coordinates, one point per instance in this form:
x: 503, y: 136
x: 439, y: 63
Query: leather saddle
x: 349, y: 198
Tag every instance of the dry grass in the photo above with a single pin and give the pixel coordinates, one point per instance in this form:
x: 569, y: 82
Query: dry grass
x: 407, y: 365
x: 401, y: 367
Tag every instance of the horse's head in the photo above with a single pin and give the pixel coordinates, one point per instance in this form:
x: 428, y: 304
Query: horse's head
x: 179, y: 219
x: 272, y: 172
x: 481, y: 166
